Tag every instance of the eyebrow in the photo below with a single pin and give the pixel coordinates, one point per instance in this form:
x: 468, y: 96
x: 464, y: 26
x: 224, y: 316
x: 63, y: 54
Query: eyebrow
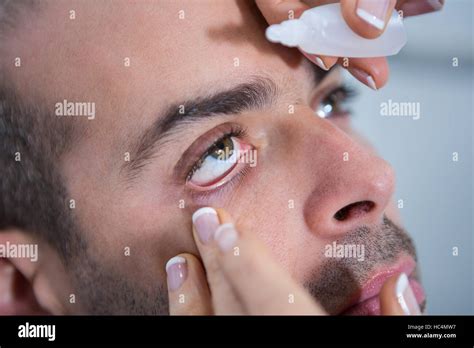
x: 259, y: 93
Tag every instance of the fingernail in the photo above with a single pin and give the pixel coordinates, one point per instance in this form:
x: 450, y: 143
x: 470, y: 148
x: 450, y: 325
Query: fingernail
x: 363, y: 77
x: 315, y: 59
x: 373, y: 12
x: 177, y: 271
x: 226, y: 236
x: 205, y: 222
x: 417, y: 7
x: 319, y: 62
x: 406, y: 297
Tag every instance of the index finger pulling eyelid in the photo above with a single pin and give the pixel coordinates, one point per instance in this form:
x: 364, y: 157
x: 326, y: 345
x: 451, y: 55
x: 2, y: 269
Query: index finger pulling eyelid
x: 215, y: 225
x: 205, y: 222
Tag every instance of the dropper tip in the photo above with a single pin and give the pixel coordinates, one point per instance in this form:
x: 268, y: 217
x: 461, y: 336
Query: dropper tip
x: 288, y: 33
x: 273, y: 33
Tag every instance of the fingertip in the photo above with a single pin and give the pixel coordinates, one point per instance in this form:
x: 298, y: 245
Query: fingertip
x: 188, y: 292
x: 205, y: 222
x: 202, y: 211
x: 177, y: 272
x: 193, y: 262
x: 380, y: 71
x: 173, y: 261
x: 324, y: 62
x: 182, y: 269
x: 373, y: 72
x: 388, y: 300
x: 367, y: 18
x: 277, y: 11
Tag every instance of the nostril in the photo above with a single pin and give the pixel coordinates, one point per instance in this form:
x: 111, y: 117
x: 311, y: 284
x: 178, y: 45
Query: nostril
x: 354, y: 210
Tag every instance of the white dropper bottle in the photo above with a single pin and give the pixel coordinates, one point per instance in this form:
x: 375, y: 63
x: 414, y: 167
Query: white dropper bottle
x: 323, y: 31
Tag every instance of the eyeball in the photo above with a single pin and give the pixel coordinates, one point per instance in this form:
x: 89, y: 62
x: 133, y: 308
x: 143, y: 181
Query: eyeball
x: 219, y: 161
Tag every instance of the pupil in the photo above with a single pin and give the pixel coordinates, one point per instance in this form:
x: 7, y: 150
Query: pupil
x: 223, y: 149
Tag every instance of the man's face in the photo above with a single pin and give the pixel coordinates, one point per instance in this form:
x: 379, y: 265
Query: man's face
x: 136, y: 179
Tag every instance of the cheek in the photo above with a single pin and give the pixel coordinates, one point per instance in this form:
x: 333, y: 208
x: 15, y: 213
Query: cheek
x: 154, y: 230
x: 167, y: 234
x: 284, y: 232
x: 269, y: 211
x: 344, y: 123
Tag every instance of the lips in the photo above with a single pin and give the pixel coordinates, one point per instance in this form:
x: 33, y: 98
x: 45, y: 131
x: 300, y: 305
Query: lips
x: 366, y: 300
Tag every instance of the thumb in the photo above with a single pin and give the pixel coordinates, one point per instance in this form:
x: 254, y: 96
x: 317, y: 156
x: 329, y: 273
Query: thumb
x: 367, y: 18
x: 188, y: 292
x: 276, y: 11
x: 397, y: 297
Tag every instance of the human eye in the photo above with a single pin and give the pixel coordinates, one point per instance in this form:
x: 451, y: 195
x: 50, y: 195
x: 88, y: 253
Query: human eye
x: 218, y: 157
x: 334, y: 102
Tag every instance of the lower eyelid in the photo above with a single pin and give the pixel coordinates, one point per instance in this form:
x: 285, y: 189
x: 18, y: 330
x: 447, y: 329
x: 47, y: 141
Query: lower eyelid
x: 236, y: 169
x: 225, y: 190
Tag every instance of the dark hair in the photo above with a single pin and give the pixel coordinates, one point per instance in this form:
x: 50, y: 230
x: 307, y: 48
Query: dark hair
x: 12, y: 10
x: 33, y: 195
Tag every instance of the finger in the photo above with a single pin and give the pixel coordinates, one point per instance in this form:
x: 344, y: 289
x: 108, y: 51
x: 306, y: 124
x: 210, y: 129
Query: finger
x: 324, y: 62
x: 205, y: 223
x: 188, y: 293
x: 397, y: 297
x: 373, y: 72
x: 418, y: 7
x: 258, y: 281
x: 277, y: 11
x: 367, y: 18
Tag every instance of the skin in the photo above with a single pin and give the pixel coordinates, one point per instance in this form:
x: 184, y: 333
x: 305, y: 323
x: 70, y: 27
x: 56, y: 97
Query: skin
x: 172, y: 59
x: 235, y: 290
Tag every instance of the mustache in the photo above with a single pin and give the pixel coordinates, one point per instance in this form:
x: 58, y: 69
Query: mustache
x: 337, y: 279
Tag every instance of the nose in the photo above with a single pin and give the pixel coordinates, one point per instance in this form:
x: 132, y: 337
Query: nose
x: 351, y: 187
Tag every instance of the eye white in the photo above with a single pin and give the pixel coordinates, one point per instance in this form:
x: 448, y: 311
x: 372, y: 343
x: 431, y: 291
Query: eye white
x: 213, y: 168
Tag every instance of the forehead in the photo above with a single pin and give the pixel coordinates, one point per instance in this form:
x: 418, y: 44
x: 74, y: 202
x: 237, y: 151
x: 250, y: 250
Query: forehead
x: 131, y: 58
x: 122, y: 47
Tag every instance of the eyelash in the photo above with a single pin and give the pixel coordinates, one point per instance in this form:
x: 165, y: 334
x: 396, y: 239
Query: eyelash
x: 347, y: 93
x: 239, y: 132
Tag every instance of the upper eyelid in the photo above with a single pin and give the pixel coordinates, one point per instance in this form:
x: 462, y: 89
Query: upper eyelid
x: 328, y: 90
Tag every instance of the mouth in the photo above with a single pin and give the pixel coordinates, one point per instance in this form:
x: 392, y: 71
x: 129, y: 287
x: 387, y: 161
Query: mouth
x: 366, y: 300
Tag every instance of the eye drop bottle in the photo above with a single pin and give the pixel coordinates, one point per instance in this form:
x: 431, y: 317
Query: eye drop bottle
x: 323, y: 31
